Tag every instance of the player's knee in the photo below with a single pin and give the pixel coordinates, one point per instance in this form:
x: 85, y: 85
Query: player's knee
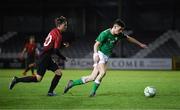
x: 58, y: 72
x: 31, y: 65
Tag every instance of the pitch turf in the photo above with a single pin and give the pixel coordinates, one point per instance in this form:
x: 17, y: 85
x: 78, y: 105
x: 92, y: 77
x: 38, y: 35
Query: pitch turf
x: 119, y: 90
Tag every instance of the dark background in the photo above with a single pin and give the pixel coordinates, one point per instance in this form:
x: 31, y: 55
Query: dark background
x: 89, y: 16
x: 146, y: 20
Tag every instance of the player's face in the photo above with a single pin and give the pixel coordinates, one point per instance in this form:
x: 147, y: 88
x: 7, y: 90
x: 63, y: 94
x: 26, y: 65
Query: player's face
x: 32, y: 40
x: 63, y: 26
x: 118, y: 29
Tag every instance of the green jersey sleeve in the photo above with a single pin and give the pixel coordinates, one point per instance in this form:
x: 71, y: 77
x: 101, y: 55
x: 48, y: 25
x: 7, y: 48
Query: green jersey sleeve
x: 102, y: 37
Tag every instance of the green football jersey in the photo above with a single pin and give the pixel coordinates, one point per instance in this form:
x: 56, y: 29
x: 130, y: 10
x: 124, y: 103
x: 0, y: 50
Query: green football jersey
x: 108, y: 41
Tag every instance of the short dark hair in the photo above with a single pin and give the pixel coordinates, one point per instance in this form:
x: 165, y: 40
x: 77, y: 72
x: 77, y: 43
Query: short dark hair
x: 60, y: 20
x: 119, y: 22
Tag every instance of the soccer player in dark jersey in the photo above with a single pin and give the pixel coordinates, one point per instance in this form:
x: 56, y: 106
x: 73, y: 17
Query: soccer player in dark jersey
x: 103, y: 47
x: 30, y: 49
x: 51, y: 46
x: 33, y: 65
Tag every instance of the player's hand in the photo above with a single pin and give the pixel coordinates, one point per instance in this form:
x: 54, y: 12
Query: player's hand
x: 96, y: 57
x: 143, y: 46
x: 66, y: 44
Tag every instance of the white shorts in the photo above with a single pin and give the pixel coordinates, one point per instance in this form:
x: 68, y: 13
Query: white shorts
x: 103, y: 58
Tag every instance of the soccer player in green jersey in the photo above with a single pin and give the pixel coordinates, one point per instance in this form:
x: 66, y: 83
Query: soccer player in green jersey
x: 103, y: 47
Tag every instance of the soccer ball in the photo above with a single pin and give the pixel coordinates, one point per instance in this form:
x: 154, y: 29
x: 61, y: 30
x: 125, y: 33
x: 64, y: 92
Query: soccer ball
x: 149, y: 91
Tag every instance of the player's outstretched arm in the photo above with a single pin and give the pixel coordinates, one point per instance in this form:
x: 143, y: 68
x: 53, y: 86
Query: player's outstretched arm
x: 95, y: 55
x: 133, y: 40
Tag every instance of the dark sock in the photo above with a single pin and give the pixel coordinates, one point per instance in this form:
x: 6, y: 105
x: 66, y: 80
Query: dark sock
x: 32, y: 70
x: 27, y: 79
x: 77, y: 82
x: 95, y: 87
x: 54, y: 83
x: 27, y: 69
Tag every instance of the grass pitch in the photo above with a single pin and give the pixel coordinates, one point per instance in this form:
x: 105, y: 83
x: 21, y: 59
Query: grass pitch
x: 119, y: 90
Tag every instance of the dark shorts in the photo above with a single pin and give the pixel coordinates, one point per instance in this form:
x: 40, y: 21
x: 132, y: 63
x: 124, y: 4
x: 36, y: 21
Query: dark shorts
x: 46, y: 62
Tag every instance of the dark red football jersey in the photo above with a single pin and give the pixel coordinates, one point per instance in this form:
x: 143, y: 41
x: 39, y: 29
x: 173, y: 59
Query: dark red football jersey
x: 30, y: 48
x: 53, y: 40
